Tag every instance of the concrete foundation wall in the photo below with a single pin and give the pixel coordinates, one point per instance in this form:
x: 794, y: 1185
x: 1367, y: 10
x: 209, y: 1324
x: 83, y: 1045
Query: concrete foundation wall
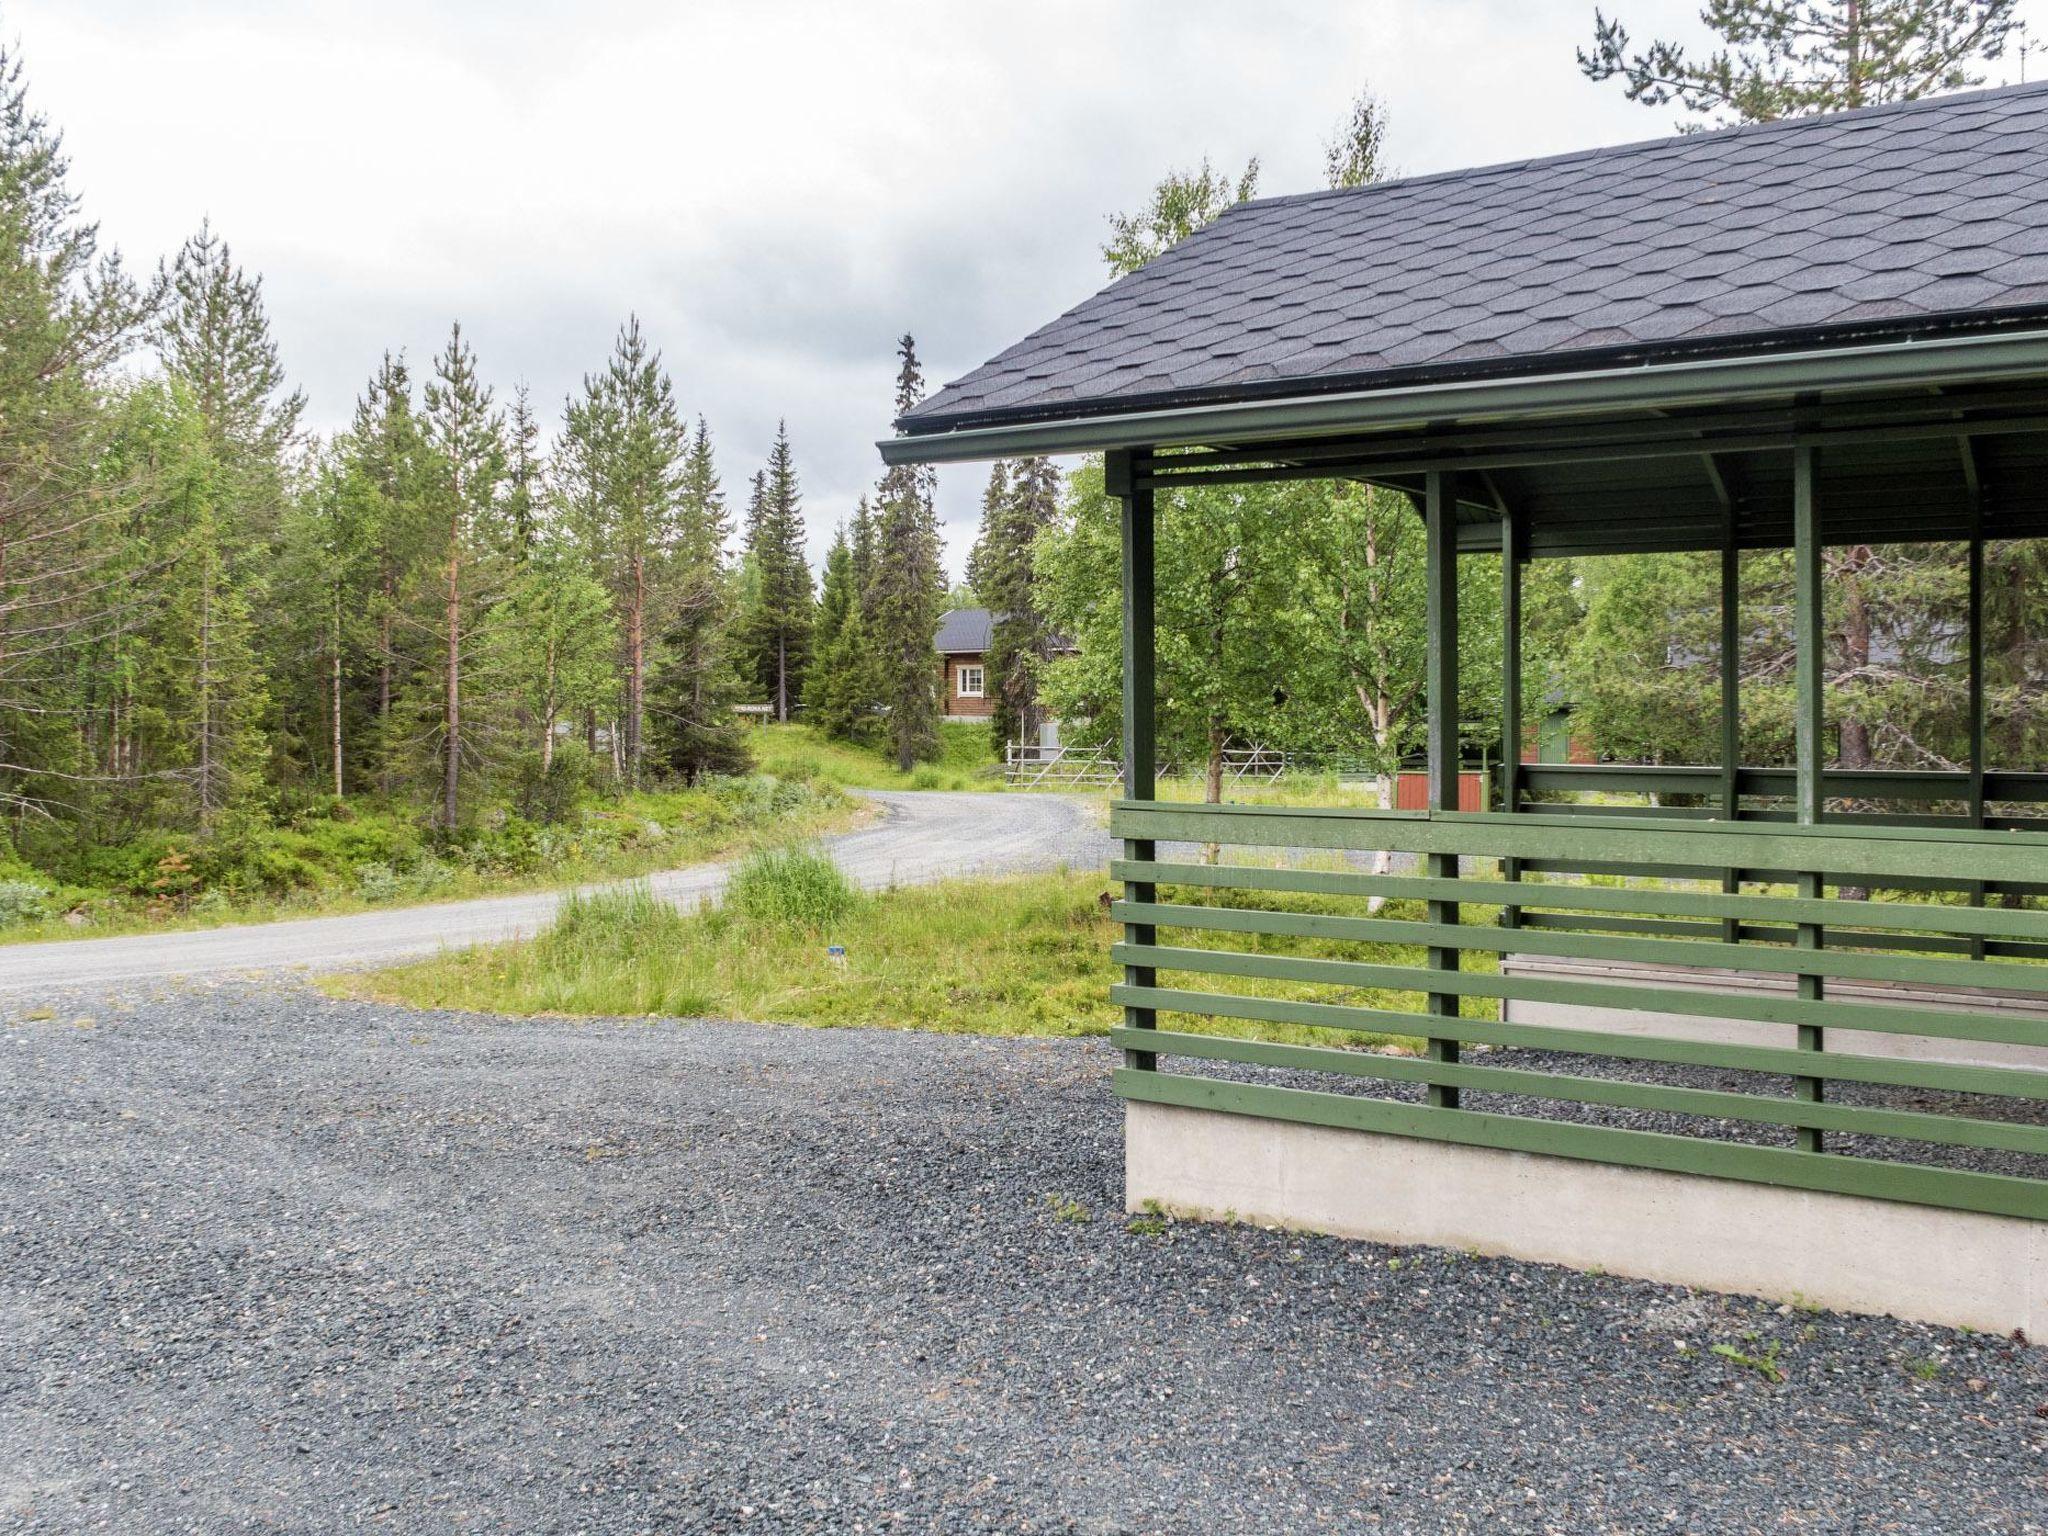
x: 1951, y: 1267
x: 1859, y: 1042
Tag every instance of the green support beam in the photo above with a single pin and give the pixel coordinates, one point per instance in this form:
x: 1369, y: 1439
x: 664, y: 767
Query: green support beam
x: 1809, y: 802
x: 1731, y: 679
x: 1140, y: 749
x: 1440, y: 514
x: 1511, y: 558
x: 1974, y: 629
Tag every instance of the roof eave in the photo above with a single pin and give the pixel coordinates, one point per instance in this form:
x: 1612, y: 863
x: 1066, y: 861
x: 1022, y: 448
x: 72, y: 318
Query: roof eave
x: 1932, y: 361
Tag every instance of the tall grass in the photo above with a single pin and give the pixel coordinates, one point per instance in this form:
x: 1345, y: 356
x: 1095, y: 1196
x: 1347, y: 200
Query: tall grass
x: 795, y: 887
x: 1022, y: 956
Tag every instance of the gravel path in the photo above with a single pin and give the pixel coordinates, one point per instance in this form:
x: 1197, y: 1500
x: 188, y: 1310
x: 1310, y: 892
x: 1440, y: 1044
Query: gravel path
x: 274, y: 1263
x: 918, y: 837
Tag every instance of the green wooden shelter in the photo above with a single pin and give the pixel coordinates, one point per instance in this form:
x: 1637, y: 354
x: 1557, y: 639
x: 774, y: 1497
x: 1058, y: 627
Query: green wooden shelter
x: 1821, y: 332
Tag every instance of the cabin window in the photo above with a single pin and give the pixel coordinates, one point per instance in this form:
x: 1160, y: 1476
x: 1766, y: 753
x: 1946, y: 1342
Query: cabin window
x: 967, y: 682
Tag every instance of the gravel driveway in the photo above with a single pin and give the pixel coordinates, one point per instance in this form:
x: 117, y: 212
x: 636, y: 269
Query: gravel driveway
x: 918, y: 837
x: 274, y: 1263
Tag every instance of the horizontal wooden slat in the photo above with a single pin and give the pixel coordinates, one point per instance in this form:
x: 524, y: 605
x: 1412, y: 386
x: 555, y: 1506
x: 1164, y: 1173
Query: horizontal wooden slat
x: 1756, y: 1008
x: 1709, y: 954
x: 1994, y: 1193
x: 1989, y: 922
x: 1780, y: 1061
x: 1904, y: 851
x: 1759, y: 1109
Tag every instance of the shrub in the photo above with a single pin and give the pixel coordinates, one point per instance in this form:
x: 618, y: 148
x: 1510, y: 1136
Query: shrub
x: 378, y: 882
x: 791, y: 888
x: 23, y: 901
x: 551, y: 795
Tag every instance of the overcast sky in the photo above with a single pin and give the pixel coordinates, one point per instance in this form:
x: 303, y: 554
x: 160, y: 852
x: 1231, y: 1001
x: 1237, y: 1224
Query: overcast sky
x: 778, y: 189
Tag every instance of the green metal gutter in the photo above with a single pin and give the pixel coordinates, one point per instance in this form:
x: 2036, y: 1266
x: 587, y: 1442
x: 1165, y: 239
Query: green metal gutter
x: 1647, y: 386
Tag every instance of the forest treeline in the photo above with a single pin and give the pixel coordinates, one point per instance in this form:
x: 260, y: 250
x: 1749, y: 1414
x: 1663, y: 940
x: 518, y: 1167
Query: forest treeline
x: 213, y: 624
x: 210, y: 620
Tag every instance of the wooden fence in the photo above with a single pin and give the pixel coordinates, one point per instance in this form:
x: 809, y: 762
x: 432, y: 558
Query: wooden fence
x: 1279, y: 945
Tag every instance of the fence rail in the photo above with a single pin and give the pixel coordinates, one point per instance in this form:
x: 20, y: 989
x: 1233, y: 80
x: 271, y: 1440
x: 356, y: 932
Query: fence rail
x: 1282, y: 946
x: 1026, y: 765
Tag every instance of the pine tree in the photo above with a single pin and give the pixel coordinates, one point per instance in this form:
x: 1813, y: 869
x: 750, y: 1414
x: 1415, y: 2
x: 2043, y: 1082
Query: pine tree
x: 907, y: 589
x: 467, y: 436
x: 215, y: 340
x: 215, y: 344
x: 692, y: 687
x: 1021, y: 502
x: 776, y: 632
x: 621, y: 467
x: 1788, y: 58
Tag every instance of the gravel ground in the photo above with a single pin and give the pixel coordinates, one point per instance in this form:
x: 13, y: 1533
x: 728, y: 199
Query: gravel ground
x: 274, y: 1263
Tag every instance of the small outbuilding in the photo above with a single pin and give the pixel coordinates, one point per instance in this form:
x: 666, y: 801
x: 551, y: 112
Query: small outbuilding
x: 1820, y: 332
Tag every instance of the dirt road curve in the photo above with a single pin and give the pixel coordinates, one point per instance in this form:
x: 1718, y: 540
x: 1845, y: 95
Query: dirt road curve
x: 919, y: 837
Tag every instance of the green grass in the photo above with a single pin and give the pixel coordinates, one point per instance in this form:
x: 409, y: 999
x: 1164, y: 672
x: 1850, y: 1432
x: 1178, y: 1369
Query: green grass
x: 1023, y: 956
x: 358, y: 858
x: 966, y: 759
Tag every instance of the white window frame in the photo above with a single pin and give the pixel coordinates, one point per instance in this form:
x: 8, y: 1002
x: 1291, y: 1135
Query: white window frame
x: 960, y: 688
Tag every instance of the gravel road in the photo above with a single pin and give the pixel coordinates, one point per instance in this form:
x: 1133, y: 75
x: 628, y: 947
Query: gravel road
x: 918, y: 837
x: 270, y: 1262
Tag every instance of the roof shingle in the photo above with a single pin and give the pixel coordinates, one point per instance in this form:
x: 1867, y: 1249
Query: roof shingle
x: 1748, y: 237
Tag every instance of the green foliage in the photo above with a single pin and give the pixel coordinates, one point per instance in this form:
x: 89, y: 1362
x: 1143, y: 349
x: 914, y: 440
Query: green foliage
x: 790, y: 888
x: 1021, y: 503
x: 1764, y: 1361
x: 548, y: 789
x: 23, y: 901
x: 1183, y: 202
x: 1026, y: 956
x: 906, y: 591
x: 1788, y: 58
x: 774, y: 643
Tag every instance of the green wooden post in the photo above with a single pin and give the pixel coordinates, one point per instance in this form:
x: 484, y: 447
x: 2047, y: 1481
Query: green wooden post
x: 1975, y: 625
x: 1139, y: 743
x: 1731, y: 708
x: 1808, y: 730
x: 1440, y: 513
x: 1510, y: 690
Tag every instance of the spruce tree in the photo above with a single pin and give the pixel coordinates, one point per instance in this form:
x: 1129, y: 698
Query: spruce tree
x: 1022, y: 501
x: 691, y: 689
x: 906, y: 590
x: 776, y: 632
x: 386, y: 451
x: 523, y: 472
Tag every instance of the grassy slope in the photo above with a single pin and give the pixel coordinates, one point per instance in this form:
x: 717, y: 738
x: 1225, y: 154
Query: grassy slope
x: 1025, y: 956
x: 619, y: 839
x: 966, y: 760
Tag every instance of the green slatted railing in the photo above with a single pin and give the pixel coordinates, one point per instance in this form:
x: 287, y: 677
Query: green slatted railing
x: 1223, y: 949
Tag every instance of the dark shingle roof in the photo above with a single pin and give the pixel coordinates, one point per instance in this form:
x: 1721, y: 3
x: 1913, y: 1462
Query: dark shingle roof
x: 1915, y: 216
x: 964, y: 630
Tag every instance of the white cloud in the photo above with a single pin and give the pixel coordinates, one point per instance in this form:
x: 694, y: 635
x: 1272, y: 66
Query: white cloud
x: 778, y: 187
